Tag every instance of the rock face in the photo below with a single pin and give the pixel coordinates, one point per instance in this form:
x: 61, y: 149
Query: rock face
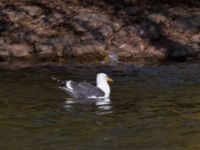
x: 92, y: 30
x: 19, y: 51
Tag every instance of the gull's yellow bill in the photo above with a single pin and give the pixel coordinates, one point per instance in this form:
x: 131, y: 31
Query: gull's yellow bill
x: 109, y: 80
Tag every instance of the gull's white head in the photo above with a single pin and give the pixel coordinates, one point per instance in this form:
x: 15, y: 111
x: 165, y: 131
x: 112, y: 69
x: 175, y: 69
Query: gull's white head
x: 102, y: 83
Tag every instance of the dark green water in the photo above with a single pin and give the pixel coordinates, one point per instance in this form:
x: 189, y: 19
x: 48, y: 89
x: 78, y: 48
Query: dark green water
x: 151, y: 108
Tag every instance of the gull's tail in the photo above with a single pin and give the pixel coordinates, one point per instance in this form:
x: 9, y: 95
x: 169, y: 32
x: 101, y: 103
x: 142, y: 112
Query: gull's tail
x: 60, y: 82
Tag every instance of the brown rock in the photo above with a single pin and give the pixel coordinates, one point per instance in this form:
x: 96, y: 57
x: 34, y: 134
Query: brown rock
x: 193, y: 48
x: 87, y: 37
x: 14, y: 14
x: 105, y: 31
x: 158, y: 18
x: 4, y: 53
x: 195, y: 38
x: 189, y: 25
x: 183, y: 40
x: 126, y: 47
x: 88, y: 48
x: 68, y: 28
x: 127, y: 50
x: 89, y: 20
x: 20, y: 50
x: 125, y: 54
x: 31, y: 10
x: 60, y: 42
x: 32, y: 38
x: 45, y: 51
x: 93, y: 17
x: 44, y: 31
x: 157, y: 53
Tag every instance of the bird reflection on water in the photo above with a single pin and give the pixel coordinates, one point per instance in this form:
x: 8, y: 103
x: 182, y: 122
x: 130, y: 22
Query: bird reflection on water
x: 103, y: 106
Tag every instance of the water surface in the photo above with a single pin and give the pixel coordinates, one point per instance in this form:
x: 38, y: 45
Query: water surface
x: 151, y: 108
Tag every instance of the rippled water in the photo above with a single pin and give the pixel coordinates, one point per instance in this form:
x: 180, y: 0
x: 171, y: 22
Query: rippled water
x: 151, y: 108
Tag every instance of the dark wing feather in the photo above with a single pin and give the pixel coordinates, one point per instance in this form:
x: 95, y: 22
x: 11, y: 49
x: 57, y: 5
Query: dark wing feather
x: 85, y: 89
x: 81, y: 89
x: 86, y: 85
x: 93, y: 89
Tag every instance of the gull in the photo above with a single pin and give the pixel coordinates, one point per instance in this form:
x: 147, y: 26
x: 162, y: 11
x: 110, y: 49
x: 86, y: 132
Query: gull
x: 86, y: 90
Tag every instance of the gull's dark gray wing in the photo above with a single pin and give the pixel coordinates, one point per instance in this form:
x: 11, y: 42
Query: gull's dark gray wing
x: 85, y: 89
x: 81, y: 89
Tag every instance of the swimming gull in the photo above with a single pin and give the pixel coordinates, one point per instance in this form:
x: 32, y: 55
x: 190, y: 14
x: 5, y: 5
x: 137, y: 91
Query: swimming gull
x: 86, y: 90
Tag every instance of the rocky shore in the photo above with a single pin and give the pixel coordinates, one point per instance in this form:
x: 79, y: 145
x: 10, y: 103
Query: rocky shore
x: 99, y: 31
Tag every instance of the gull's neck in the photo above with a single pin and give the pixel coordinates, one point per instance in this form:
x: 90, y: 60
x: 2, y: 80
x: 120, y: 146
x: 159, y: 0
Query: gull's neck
x: 104, y: 86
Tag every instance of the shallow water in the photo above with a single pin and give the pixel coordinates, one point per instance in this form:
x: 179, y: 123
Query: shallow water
x: 151, y: 108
